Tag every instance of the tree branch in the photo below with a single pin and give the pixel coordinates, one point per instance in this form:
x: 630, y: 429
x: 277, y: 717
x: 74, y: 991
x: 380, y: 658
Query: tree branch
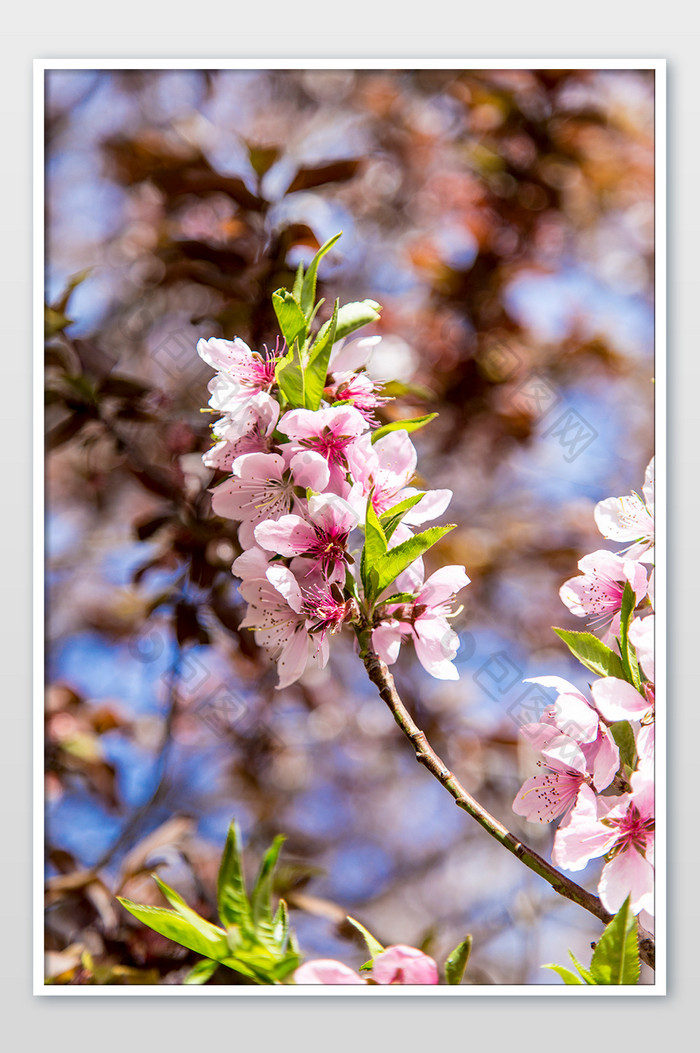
x: 383, y: 680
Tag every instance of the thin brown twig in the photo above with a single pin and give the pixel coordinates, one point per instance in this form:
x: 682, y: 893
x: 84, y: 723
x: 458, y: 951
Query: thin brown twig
x: 425, y: 754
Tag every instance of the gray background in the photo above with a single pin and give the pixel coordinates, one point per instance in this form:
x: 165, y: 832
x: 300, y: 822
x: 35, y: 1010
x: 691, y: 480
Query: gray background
x: 458, y: 32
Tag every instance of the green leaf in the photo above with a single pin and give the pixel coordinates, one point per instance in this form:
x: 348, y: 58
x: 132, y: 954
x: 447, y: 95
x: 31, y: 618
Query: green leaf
x: 629, y: 655
x: 289, y: 374
x: 373, y: 946
x: 393, y: 516
x: 457, y: 961
x: 290, y: 317
x: 308, y: 288
x: 403, y: 425
x: 316, y: 369
x: 232, y: 898
x: 352, y: 316
x: 201, y: 972
x: 398, y: 559
x: 184, y: 910
x: 175, y: 927
x: 261, y: 897
x: 624, y: 737
x: 281, y: 923
x: 616, y: 957
x: 374, y: 550
x: 582, y: 969
x: 400, y: 597
x: 567, y: 976
x: 298, y: 282
x: 592, y: 653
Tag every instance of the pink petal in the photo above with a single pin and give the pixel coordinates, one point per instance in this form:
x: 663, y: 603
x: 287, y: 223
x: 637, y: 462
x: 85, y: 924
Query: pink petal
x: 617, y: 700
x: 581, y: 837
x: 311, y: 470
x: 443, y: 585
x: 544, y: 797
x: 287, y: 536
x: 624, y: 519
x: 641, y: 633
x: 251, y: 564
x: 432, y: 504
x: 326, y: 971
x: 628, y: 874
x: 282, y: 579
x: 645, y: 742
x: 602, y: 760
x: 386, y: 641
x: 292, y: 660
x: 404, y: 965
x: 436, y: 645
x: 223, y: 354
x: 349, y: 356
x: 332, y: 513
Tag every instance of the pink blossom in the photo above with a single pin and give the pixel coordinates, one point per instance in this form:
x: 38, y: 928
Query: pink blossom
x: 385, y: 469
x: 359, y: 391
x: 322, y: 537
x: 544, y: 797
x: 276, y: 614
x: 329, y: 432
x: 404, y: 965
x: 248, y: 430
x: 631, y: 519
x: 621, y: 829
x: 572, y: 713
x: 260, y: 489
x: 597, y: 593
x: 396, y: 965
x: 242, y: 372
x: 425, y: 621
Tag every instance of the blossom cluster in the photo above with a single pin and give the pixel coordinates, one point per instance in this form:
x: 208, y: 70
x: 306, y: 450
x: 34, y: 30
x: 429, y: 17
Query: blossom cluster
x: 326, y: 510
x: 597, y: 754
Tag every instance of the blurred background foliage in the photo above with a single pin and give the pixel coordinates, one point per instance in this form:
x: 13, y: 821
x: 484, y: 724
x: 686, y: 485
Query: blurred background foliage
x: 505, y: 221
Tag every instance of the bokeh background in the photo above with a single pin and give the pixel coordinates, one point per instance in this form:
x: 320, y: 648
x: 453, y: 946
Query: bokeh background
x: 505, y: 221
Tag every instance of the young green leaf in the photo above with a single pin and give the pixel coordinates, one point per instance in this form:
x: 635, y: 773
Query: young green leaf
x: 375, y: 548
x: 585, y: 974
x: 398, y: 559
x: 567, y: 976
x: 261, y: 896
x: 184, y: 910
x: 616, y: 957
x: 289, y: 374
x: 592, y: 653
x: 201, y: 972
x: 316, y: 369
x: 175, y: 927
x: 403, y: 425
x: 290, y: 317
x: 629, y: 656
x: 624, y: 738
x: 457, y: 961
x: 352, y: 316
x: 393, y: 516
x: 373, y: 946
x: 234, y: 908
x: 298, y: 282
x: 308, y: 289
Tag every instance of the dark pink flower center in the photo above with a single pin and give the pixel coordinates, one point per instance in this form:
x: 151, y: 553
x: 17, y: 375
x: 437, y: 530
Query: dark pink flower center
x: 330, y: 445
x: 633, y: 831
